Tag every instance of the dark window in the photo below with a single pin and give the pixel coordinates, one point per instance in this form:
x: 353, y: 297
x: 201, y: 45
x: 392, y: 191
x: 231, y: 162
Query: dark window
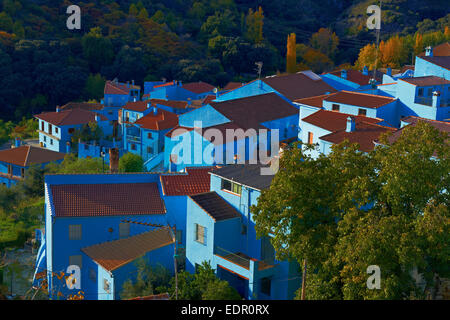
x: 42, y: 126
x: 266, y: 285
x: 179, y: 236
x: 430, y: 92
x: 22, y: 172
x: 51, y: 141
x: 71, y: 130
x: 335, y: 107
x: 86, y: 147
x: 133, y: 147
x: 310, y: 137
x: 362, y: 112
x: 231, y: 186
x: 200, y: 234
x: 10, y: 169
x: 149, y: 135
x: 420, y: 93
x: 150, y: 150
x: 56, y: 130
x: 50, y: 128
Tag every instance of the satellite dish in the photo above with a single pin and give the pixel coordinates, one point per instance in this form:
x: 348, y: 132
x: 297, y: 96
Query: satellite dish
x: 215, y: 90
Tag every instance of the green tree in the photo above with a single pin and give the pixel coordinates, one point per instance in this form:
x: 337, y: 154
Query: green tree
x: 97, y: 49
x: 74, y: 165
x: 94, y: 88
x: 131, y: 162
x: 220, y: 290
x: 255, y: 22
x: 349, y: 210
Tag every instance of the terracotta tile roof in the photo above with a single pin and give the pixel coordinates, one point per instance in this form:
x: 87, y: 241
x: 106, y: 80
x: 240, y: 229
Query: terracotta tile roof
x: 94, y: 200
x: 162, y: 296
x: 365, y: 135
x: 232, y: 85
x: 82, y: 105
x: 170, y: 103
x: 198, y: 87
x: 194, y: 181
x: 298, y: 85
x: 115, y: 254
x: 442, y: 50
x: 334, y: 121
x: 25, y: 156
x: 139, y: 106
x: 163, y: 120
x: 426, y: 81
x: 314, y: 101
x: 360, y: 99
x: 215, y: 206
x: 209, y: 99
x: 118, y: 88
x: 443, y: 62
x: 70, y: 117
x: 250, y: 112
x: 358, y: 77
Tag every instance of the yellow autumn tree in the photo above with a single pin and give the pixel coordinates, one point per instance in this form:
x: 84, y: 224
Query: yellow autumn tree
x: 255, y: 23
x: 393, y: 52
x: 367, y: 56
x: 291, y: 55
x: 418, y: 44
x: 325, y: 41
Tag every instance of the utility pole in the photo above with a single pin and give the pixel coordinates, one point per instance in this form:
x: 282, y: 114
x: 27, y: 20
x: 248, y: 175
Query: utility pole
x: 304, y: 280
x: 173, y: 230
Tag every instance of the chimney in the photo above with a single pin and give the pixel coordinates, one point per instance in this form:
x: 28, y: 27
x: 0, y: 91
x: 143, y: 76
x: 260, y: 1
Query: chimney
x: 148, y: 105
x: 155, y: 111
x: 189, y: 102
x: 57, y: 109
x: 365, y: 71
x: 97, y: 118
x: 17, y: 142
x: 114, y: 160
x: 429, y: 51
x: 180, y: 83
x: 350, y: 124
x: 132, y: 82
x: 344, y: 74
x: 436, y: 100
x: 68, y: 147
x: 128, y: 84
x: 389, y: 71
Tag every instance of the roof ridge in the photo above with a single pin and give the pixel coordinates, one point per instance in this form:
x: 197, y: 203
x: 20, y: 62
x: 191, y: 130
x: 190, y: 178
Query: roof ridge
x: 27, y: 155
x: 368, y: 94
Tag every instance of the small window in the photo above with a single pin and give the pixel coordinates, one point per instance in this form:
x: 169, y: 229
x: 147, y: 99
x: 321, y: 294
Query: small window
x: 133, y: 147
x: 150, y: 150
x: 430, y: 92
x: 266, y: 285
x: 200, y: 234
x: 42, y: 126
x: 149, y: 135
x: 75, y: 232
x: 92, y: 275
x: 362, y: 112
x: 71, y: 130
x: 335, y: 107
x: 56, y: 130
x: 179, y: 236
x: 231, y: 186
x: 10, y: 169
x: 50, y: 128
x: 106, y: 286
x: 22, y: 172
x: 86, y: 147
x: 243, y: 229
x: 420, y: 92
x: 124, y: 230
x: 310, y: 137
x: 75, y: 261
x: 45, y: 138
x: 51, y: 141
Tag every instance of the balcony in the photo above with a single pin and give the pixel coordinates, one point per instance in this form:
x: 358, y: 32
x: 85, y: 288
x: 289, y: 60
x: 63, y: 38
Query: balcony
x: 134, y: 139
x: 428, y: 101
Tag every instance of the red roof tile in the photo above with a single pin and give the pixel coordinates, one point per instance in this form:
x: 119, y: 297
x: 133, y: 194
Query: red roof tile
x: 112, y: 87
x: 95, y: 200
x: 170, y: 103
x: 426, y: 81
x: 115, y: 254
x: 365, y: 134
x: 210, y: 98
x: 314, y: 101
x: 139, y: 106
x: 360, y: 99
x: 83, y: 105
x: 180, y: 130
x: 27, y: 155
x: 232, y: 85
x: 164, y: 85
x: 442, y: 50
x: 163, y: 120
x: 195, y: 181
x: 70, y: 117
x: 198, y: 87
x: 358, y: 77
x: 334, y: 121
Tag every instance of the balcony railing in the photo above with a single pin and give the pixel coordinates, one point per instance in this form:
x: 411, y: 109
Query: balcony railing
x: 428, y: 101
x: 134, y: 139
x: 239, y: 258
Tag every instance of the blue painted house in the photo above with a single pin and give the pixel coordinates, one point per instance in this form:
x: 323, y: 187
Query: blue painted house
x: 82, y: 211
x: 288, y: 86
x: 56, y: 128
x: 221, y: 231
x: 352, y: 80
x: 222, y: 132
x: 118, y: 94
x: 176, y: 90
x: 14, y: 162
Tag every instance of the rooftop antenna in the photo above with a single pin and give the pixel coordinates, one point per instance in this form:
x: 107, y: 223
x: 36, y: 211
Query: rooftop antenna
x: 259, y: 69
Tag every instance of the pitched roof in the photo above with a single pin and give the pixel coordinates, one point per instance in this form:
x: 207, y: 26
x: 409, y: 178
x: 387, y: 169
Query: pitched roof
x: 358, y: 77
x: 115, y: 254
x: 170, y: 103
x: 215, y: 206
x: 70, y: 117
x: 194, y: 181
x: 95, y: 200
x: 27, y: 155
x: 365, y: 134
x: 139, y: 106
x: 442, y: 50
x: 443, y: 62
x: 334, y: 121
x: 314, y: 101
x: 245, y: 174
x: 112, y: 87
x: 250, y: 112
x: 298, y: 85
x: 163, y: 120
x: 208, y: 99
x: 360, y: 99
x: 198, y: 87
x: 232, y: 85
x: 82, y: 105
x: 426, y: 81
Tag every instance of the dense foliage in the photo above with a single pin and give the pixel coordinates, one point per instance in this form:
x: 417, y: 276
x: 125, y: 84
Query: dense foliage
x: 347, y: 211
x: 43, y: 64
